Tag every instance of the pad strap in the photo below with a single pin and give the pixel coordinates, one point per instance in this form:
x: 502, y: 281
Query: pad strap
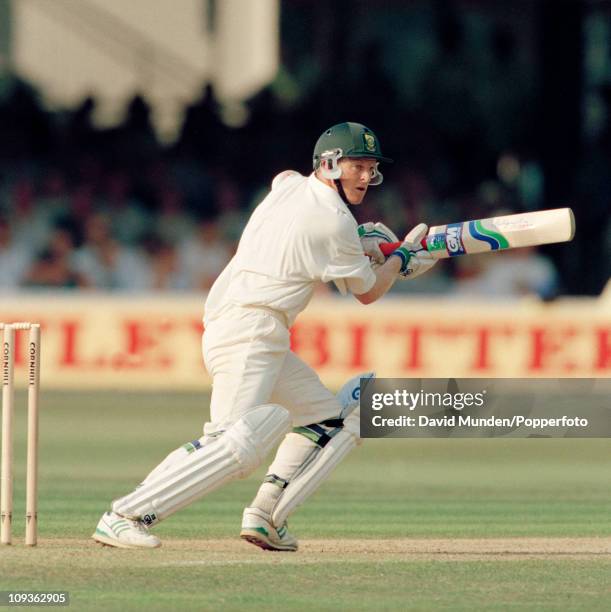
x: 276, y: 480
x: 318, y: 434
x: 192, y: 446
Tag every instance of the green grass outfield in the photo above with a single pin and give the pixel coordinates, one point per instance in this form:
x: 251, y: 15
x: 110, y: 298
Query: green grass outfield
x: 402, y: 524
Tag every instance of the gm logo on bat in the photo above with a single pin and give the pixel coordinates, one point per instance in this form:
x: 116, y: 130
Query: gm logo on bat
x: 454, y: 240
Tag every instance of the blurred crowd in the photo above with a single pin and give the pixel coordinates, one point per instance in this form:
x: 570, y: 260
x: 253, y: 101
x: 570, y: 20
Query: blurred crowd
x: 113, y: 209
x: 84, y: 207
x: 88, y: 208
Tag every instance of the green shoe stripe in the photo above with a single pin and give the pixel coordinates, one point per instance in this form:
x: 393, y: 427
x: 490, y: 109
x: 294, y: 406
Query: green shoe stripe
x: 260, y: 530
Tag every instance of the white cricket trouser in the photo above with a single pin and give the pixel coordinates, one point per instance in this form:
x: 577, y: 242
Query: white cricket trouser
x: 247, y: 353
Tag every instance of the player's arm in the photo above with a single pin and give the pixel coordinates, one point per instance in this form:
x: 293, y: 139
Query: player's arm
x: 386, y: 275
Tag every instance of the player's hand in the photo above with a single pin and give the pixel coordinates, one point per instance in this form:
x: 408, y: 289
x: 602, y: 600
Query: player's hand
x: 415, y: 259
x: 372, y: 235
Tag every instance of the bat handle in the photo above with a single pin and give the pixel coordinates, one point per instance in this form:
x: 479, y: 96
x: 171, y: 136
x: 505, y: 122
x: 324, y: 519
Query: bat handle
x: 388, y: 247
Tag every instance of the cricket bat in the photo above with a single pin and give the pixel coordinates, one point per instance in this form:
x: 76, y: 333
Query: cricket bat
x: 496, y: 233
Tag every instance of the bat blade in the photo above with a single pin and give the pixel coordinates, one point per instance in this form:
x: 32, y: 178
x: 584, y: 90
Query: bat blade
x: 497, y: 233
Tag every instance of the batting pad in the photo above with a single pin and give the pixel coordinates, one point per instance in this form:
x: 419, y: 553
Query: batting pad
x: 174, y: 457
x: 317, y: 468
x: 232, y: 455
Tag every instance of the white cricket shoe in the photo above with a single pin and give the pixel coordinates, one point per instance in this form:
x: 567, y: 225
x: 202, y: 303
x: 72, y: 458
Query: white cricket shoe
x: 115, y: 530
x: 258, y: 530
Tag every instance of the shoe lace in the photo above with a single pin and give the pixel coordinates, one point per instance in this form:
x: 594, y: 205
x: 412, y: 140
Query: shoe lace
x: 139, y: 526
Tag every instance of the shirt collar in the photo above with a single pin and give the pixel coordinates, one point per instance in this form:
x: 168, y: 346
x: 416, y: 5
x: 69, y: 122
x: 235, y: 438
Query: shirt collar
x: 326, y: 193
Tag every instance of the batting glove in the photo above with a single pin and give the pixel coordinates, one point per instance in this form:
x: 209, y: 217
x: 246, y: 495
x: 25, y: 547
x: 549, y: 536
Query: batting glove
x: 372, y: 235
x: 415, y: 260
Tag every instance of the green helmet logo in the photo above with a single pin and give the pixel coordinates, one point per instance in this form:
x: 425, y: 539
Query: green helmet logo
x: 370, y: 142
x: 347, y: 139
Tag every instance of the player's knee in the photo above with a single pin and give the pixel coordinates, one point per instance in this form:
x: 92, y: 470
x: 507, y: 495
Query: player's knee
x: 254, y: 435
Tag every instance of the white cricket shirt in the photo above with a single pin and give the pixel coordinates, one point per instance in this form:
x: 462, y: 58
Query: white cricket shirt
x: 301, y: 233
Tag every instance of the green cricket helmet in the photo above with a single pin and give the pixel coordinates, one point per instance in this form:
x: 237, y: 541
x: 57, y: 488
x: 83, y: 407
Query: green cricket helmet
x: 347, y: 139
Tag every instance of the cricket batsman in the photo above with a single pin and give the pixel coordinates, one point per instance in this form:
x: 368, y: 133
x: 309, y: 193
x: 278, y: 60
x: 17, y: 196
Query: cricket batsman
x: 262, y: 393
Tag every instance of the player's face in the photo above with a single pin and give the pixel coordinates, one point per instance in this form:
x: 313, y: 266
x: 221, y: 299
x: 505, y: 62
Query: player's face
x: 356, y: 176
